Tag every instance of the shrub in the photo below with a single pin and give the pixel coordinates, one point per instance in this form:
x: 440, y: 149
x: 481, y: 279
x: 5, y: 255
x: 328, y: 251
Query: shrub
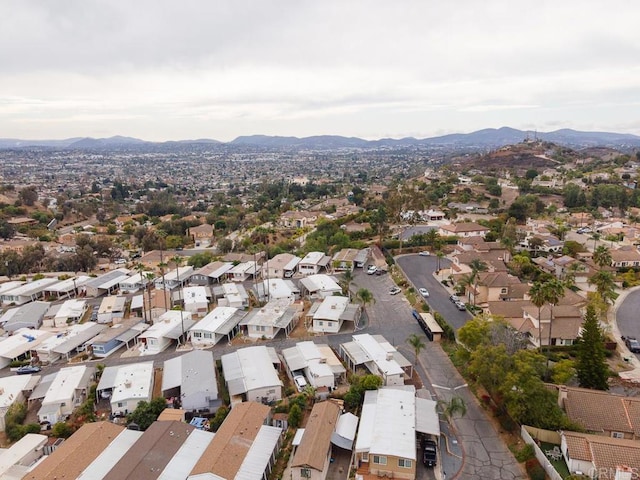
x: 525, y: 453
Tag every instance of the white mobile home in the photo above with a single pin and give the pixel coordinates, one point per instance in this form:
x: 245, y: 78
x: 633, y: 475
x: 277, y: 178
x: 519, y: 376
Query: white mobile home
x: 112, y: 309
x: 67, y: 391
x: 174, y: 278
x: 378, y: 356
x: 195, y: 300
x: 313, y: 263
x: 319, y: 364
x: 28, y: 292
x: 106, y: 283
x: 126, y: 386
x: 69, y: 312
x: 221, y: 322
x: 169, y: 327
x: 12, y: 390
x: 275, y: 316
x: 30, y: 315
x: 20, y: 345
x: 251, y: 376
x: 192, y: 379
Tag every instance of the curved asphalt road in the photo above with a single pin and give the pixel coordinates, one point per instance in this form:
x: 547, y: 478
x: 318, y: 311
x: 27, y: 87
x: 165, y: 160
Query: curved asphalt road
x: 627, y: 316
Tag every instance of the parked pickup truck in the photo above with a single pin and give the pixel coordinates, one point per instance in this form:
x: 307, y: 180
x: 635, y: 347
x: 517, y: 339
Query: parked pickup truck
x: 430, y: 453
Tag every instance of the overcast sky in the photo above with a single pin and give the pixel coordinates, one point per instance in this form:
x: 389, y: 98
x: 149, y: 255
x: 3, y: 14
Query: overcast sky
x: 169, y: 70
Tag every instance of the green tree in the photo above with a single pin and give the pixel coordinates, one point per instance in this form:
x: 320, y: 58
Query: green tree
x: 147, y: 412
x: 199, y: 260
x: 295, y: 416
x: 365, y: 296
x: 219, y: 417
x: 452, y: 407
x: 602, y: 256
x: 476, y: 266
x: 61, y: 430
x: 415, y: 341
x: 347, y: 278
x: 553, y: 292
x: 591, y: 363
x: 605, y: 285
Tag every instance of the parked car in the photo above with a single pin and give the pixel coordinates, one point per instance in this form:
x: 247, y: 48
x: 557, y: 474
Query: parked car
x: 424, y: 292
x: 395, y: 290
x: 425, y: 253
x: 430, y: 453
x: 632, y: 344
x: 27, y: 369
x: 380, y: 271
x: 460, y: 305
x: 454, y: 298
x: 371, y: 269
x: 584, y: 230
x: 300, y: 382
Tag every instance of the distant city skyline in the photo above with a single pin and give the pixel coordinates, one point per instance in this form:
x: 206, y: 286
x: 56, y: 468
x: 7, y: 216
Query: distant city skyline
x: 373, y: 69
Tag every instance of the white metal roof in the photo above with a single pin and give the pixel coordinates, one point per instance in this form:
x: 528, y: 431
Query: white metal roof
x: 388, y: 422
x: 27, y: 316
x: 331, y: 308
x: 215, y: 319
x: 71, y: 309
x: 66, y: 382
x: 22, y: 340
x: 168, y: 321
x: 258, y: 457
x: 193, y: 372
x: 137, y: 301
x: 132, y: 381
x: 111, y: 455
x: 244, y: 268
x: 68, y: 285
x: 320, y: 282
x: 292, y: 264
x: 19, y: 450
x: 7, y: 286
x: 312, y: 258
x: 31, y: 287
x: 179, y: 274
x: 221, y: 270
x: 427, y: 420
x: 277, y: 288
x: 193, y: 295
x: 380, y: 353
x: 297, y: 438
x: 109, y: 279
x: 42, y: 387
x: 10, y: 388
x: 248, y: 369
x: 345, y: 432
x: 79, y: 337
x: 187, y: 456
x: 269, y: 314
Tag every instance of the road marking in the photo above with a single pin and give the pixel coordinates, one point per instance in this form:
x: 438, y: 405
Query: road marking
x: 461, y: 386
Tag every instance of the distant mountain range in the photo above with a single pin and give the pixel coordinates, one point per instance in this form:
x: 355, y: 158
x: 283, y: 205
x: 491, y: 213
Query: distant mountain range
x: 487, y: 138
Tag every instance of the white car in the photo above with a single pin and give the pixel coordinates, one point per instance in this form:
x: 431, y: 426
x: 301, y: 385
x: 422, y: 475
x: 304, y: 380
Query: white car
x: 425, y: 254
x: 300, y: 382
x: 424, y: 292
x: 371, y: 269
x: 395, y: 290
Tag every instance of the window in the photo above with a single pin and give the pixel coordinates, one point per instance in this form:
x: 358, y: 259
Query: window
x: 207, y: 335
x: 504, y: 290
x: 197, y: 334
x: 305, y: 473
x: 379, y: 460
x: 404, y: 462
x: 365, y: 456
x: 320, y: 323
x: 63, y: 404
x: 120, y: 404
x: 617, y: 435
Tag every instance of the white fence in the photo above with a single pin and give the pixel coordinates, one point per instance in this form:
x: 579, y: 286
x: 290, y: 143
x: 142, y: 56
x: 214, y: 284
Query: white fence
x: 540, y: 456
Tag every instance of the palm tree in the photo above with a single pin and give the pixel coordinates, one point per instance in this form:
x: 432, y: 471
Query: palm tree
x: 347, y: 278
x: 439, y: 256
x: 454, y: 406
x: 476, y: 266
x: 605, y: 285
x: 150, y: 276
x: 177, y: 259
x: 595, y: 236
x: 570, y: 273
x: 553, y: 292
x: 365, y: 297
x: 417, y: 344
x: 140, y: 268
x: 602, y: 256
x: 536, y: 294
x: 466, y: 281
x: 162, y: 265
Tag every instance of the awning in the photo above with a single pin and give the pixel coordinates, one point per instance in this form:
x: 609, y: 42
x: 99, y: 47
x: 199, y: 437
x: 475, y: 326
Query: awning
x: 176, y: 332
x: 427, y: 420
x: 345, y: 432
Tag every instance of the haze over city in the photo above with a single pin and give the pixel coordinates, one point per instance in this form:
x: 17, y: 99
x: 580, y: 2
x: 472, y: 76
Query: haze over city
x: 196, y: 69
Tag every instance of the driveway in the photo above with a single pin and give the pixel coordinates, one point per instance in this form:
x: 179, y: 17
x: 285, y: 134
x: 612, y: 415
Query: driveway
x: 419, y: 270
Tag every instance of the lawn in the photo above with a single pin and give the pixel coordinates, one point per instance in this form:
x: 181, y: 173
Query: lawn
x: 559, y: 465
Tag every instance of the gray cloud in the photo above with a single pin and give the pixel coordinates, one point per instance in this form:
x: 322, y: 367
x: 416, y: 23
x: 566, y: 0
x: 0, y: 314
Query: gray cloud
x: 169, y: 69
